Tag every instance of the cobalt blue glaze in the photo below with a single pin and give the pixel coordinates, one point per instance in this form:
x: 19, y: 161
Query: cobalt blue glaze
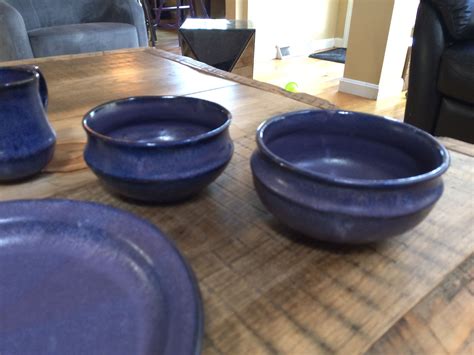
x: 347, y: 177
x: 83, y: 278
x: 158, y: 149
x: 26, y: 137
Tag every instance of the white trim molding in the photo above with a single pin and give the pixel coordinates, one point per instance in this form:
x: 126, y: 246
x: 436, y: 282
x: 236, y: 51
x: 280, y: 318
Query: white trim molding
x: 339, y: 42
x: 369, y: 90
x: 304, y: 49
x: 320, y: 44
x: 359, y: 88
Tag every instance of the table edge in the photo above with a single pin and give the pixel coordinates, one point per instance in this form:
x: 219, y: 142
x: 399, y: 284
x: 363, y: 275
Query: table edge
x: 207, y: 69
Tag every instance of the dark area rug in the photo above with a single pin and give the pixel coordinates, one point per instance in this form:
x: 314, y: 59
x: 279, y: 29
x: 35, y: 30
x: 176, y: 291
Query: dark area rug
x: 333, y: 55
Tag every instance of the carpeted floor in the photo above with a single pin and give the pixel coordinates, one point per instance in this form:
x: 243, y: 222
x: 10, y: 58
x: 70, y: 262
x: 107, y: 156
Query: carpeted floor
x: 337, y: 55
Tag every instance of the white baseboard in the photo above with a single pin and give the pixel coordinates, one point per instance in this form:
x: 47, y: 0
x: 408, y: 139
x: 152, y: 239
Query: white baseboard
x: 306, y: 48
x: 320, y: 44
x: 369, y: 90
x: 359, y: 88
x: 339, y: 42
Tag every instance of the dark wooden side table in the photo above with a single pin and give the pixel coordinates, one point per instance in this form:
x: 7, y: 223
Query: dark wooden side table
x: 224, y: 44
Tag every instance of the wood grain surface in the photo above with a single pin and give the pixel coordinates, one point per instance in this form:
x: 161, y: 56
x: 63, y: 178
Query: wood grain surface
x: 267, y: 290
x: 441, y: 323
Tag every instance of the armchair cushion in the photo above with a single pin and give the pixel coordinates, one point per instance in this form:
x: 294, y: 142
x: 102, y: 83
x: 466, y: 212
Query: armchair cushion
x: 81, y: 38
x: 14, y: 42
x: 456, y: 75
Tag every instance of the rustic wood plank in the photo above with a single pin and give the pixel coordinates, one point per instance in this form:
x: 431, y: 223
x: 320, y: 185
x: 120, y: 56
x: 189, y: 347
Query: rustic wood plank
x: 458, y: 146
x: 68, y: 57
x: 441, y: 323
x: 250, y: 106
x: 266, y: 290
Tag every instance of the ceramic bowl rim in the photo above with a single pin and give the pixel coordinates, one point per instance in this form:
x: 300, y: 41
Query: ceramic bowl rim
x: 368, y: 183
x: 132, y: 143
x: 32, y: 69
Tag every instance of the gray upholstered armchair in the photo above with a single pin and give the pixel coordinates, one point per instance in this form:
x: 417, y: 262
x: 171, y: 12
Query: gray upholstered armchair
x: 42, y: 28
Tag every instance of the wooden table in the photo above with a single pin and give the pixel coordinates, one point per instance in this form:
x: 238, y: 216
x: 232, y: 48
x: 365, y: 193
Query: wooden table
x: 265, y: 290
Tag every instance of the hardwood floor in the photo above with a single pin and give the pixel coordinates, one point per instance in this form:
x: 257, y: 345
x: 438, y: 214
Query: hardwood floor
x: 313, y: 76
x: 168, y: 41
x: 321, y: 78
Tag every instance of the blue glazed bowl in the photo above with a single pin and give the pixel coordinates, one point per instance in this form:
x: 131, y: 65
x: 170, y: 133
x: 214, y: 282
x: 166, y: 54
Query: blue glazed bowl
x: 347, y: 177
x: 158, y: 148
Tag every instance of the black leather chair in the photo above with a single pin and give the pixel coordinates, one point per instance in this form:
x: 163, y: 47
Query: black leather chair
x: 441, y: 84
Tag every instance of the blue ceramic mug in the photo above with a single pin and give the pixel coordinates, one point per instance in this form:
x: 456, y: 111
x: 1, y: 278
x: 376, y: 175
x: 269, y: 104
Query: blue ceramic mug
x: 26, y: 138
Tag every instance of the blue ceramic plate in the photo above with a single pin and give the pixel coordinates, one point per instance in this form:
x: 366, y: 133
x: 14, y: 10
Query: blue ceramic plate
x: 83, y: 278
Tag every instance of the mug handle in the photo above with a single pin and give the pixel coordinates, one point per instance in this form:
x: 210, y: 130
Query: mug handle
x: 43, y: 87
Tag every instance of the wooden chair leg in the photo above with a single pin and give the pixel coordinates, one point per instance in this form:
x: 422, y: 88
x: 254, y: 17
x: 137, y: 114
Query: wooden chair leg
x: 149, y: 20
x: 192, y: 10
x: 181, y: 7
x: 202, y: 8
x: 158, y: 8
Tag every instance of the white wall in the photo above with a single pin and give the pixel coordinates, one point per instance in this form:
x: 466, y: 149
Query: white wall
x: 403, y: 20
x: 377, y: 47
x: 305, y: 25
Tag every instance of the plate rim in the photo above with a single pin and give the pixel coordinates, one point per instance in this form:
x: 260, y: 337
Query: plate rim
x: 137, y: 219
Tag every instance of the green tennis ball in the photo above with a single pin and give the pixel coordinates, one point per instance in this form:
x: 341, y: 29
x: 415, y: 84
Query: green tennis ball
x: 291, y: 87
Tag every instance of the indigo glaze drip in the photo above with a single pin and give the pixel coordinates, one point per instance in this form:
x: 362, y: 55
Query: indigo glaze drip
x: 26, y: 137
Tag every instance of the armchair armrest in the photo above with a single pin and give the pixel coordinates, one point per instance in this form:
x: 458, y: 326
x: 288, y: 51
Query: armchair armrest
x: 131, y: 12
x: 429, y: 42
x: 14, y: 41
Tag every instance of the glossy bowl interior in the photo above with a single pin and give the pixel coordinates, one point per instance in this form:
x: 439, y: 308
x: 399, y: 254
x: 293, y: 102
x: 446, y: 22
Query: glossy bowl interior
x: 156, y: 120
x: 352, y: 148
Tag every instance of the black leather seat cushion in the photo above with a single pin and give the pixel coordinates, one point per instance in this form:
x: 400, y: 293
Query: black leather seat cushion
x: 456, y: 75
x: 456, y: 120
